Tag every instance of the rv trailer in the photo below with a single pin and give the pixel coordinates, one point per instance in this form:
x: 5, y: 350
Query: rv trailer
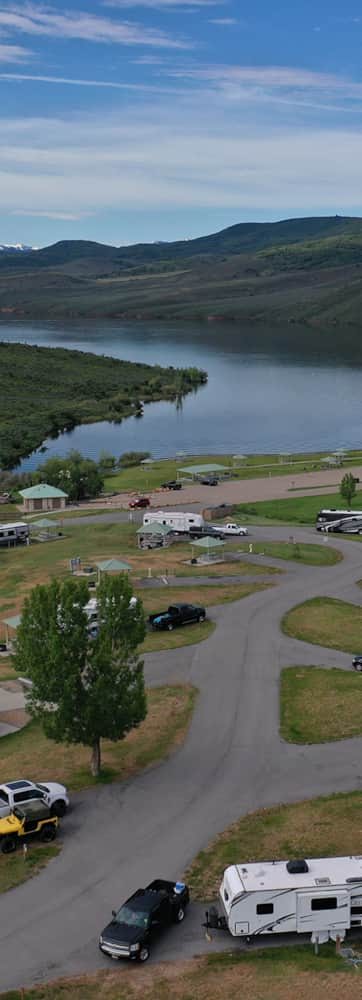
x: 321, y: 896
x: 11, y: 534
x: 179, y: 521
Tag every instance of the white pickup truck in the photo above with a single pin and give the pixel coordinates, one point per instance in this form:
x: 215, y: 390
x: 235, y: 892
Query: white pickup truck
x: 16, y: 793
x: 230, y: 528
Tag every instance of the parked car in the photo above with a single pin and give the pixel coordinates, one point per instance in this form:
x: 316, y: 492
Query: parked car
x: 205, y: 530
x: 231, y: 528
x: 172, y: 485
x: 33, y: 818
x: 142, y: 918
x: 177, y: 614
x: 209, y: 481
x: 139, y: 502
x: 18, y: 793
x: 357, y: 662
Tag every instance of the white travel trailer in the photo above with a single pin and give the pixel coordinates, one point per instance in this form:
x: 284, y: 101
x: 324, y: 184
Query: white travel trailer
x: 321, y: 896
x: 175, y: 519
x: 11, y: 534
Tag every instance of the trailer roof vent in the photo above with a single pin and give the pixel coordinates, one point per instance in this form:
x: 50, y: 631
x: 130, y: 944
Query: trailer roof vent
x: 297, y: 867
x: 323, y: 881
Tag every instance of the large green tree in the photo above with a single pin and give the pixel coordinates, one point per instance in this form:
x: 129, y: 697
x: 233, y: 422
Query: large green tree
x: 348, y: 488
x: 79, y: 477
x: 83, y: 689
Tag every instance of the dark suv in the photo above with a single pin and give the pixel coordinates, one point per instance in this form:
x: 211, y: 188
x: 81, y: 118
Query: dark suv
x: 144, y: 915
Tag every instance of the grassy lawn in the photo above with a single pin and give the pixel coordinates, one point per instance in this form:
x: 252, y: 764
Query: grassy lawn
x: 318, y: 706
x: 311, y: 555
x: 298, y: 510
x: 170, y: 711
x: 326, y: 621
x: 317, y: 828
x: 6, y: 671
x: 267, y: 974
x: 188, y: 636
x: 14, y: 869
x: 141, y: 479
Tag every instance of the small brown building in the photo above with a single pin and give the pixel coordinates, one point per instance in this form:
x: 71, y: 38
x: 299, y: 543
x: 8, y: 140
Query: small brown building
x: 42, y: 497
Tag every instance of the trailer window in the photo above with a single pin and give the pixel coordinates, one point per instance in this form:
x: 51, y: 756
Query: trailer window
x: 324, y: 903
x: 356, y: 909
x: 265, y: 908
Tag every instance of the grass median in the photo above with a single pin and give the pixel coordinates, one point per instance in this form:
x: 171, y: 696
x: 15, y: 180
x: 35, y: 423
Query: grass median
x: 322, y: 827
x: 318, y: 706
x: 326, y: 621
x: 158, y: 599
x: 266, y: 974
x: 298, y: 510
x: 15, y: 868
x: 30, y: 753
x: 309, y: 554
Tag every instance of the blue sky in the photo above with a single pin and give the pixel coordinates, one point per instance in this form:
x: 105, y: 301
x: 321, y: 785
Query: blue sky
x: 140, y: 120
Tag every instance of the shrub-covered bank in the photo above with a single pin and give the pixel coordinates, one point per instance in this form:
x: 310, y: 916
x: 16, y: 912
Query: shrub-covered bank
x: 47, y: 390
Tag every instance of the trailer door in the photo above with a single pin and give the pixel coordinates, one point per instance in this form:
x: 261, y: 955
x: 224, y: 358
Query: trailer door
x: 318, y: 911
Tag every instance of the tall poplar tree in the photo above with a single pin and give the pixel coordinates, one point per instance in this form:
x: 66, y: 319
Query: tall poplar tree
x: 83, y: 689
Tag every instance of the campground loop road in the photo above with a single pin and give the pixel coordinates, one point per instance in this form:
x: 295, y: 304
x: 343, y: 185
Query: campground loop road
x: 233, y: 761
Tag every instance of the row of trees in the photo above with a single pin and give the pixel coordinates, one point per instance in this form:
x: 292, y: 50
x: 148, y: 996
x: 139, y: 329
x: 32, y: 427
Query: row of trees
x: 83, y: 689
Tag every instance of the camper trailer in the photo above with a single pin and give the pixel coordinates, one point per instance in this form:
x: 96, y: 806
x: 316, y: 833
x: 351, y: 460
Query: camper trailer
x: 320, y: 896
x: 12, y: 534
x: 177, y: 520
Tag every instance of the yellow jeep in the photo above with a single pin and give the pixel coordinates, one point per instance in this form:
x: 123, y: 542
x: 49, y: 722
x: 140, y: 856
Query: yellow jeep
x: 32, y: 818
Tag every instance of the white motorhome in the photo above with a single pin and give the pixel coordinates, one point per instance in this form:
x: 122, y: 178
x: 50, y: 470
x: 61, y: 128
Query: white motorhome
x: 322, y: 896
x: 177, y: 519
x: 11, y: 534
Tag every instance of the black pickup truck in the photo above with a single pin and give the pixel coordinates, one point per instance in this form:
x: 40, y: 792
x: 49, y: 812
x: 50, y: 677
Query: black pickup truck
x: 177, y: 614
x: 204, y: 530
x: 142, y: 917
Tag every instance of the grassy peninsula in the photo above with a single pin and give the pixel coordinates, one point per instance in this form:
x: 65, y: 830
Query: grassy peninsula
x: 45, y: 390
x: 296, y: 271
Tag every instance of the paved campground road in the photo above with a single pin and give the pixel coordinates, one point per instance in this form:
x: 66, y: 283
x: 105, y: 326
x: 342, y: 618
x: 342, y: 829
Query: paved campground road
x: 119, y: 837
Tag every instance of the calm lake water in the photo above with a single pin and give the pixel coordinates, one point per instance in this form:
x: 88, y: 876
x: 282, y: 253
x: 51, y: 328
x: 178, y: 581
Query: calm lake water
x: 268, y: 391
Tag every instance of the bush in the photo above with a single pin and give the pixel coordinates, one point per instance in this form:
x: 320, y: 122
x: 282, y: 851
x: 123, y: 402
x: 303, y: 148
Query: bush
x: 130, y: 458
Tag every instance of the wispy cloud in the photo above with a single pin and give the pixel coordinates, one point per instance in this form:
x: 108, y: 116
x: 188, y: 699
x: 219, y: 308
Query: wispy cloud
x: 14, y: 54
x: 226, y: 21
x: 38, y: 20
x: 60, y: 216
x: 74, y: 82
x: 162, y: 4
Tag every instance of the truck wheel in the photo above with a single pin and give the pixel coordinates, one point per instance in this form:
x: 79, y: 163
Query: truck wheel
x: 170, y: 627
x: 179, y: 915
x: 201, y: 618
x: 58, y: 808
x: 358, y: 667
x: 143, y: 954
x: 48, y: 833
x: 8, y: 845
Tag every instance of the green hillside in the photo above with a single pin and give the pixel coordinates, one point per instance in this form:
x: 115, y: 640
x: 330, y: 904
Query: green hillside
x: 47, y: 390
x: 298, y: 270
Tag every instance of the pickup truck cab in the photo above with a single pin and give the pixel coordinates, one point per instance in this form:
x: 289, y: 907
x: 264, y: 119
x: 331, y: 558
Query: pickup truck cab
x: 177, y: 614
x: 231, y: 528
x: 142, y: 918
x: 34, y: 818
x: 18, y: 793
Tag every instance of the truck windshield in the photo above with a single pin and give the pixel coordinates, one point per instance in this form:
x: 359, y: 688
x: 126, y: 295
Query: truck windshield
x: 133, y: 918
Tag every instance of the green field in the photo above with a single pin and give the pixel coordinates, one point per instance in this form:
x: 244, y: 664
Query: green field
x: 315, y: 828
x: 326, y: 621
x: 299, y: 510
x: 319, y: 706
x: 310, y: 555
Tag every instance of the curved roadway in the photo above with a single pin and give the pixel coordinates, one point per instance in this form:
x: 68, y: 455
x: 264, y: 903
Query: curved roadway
x: 233, y: 761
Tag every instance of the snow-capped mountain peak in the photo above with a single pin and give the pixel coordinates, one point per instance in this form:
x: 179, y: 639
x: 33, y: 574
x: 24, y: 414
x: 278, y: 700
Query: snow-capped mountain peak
x: 15, y: 248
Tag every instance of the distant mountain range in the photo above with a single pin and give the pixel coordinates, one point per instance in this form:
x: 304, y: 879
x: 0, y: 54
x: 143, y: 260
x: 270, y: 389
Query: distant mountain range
x: 297, y: 270
x: 15, y: 248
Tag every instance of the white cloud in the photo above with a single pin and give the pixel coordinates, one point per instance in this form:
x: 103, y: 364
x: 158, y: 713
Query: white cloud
x: 175, y: 156
x: 162, y: 4
x: 224, y: 21
x: 37, y: 20
x: 60, y: 216
x: 14, y: 54
x: 74, y: 82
